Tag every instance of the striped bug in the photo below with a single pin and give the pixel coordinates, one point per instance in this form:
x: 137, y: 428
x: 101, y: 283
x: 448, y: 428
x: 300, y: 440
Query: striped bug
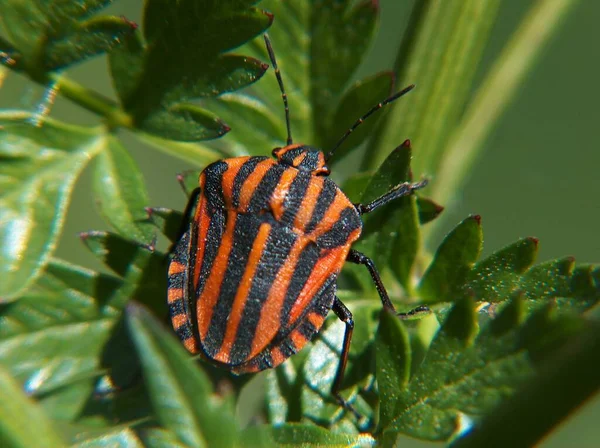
x: 253, y: 275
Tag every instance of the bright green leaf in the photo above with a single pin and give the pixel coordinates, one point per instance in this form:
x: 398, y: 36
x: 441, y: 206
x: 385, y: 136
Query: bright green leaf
x: 22, y: 422
x: 40, y: 165
x: 180, y: 392
x: 121, y: 193
x: 167, y: 221
x: 64, y: 320
x: 303, y: 435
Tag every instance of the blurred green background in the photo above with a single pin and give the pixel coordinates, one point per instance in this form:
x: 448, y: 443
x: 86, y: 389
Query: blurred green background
x: 536, y: 177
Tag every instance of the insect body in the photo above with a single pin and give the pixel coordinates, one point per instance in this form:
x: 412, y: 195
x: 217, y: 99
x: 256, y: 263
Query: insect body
x: 253, y: 276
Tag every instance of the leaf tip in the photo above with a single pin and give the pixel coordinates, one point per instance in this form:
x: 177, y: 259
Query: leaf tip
x: 476, y: 218
x: 406, y: 144
x: 133, y: 25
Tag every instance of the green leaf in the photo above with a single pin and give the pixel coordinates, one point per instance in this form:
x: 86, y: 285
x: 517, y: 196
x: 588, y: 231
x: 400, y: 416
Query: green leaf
x: 156, y: 91
x: 50, y: 36
x: 572, y: 369
x: 19, y: 415
x: 391, y: 233
x: 144, y: 271
x: 121, y: 192
x: 180, y: 392
x: 117, y: 438
x: 87, y: 39
x: 54, y: 334
x: 318, y: 372
x: 393, y: 360
x: 167, y: 221
x: 302, y: 435
x: 452, y: 262
x: 440, y: 52
x: 428, y: 210
x: 40, y: 165
x: 357, y: 100
x: 318, y: 46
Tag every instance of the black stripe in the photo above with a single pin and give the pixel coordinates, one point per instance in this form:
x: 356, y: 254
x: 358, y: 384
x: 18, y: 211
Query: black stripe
x: 216, y: 228
x: 263, y: 192
x: 306, y: 263
x: 294, y: 197
x: 307, y: 329
x: 245, y: 170
x: 277, y: 249
x: 213, y: 185
x: 326, y: 197
x: 177, y: 281
x: 185, y: 332
x: 263, y: 361
x: 244, y: 234
x: 325, y: 296
x: 287, y: 348
x: 177, y: 307
x: 339, y: 233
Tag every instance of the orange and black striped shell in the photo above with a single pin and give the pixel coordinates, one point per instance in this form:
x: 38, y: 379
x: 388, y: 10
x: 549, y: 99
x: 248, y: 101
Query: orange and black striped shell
x: 254, y: 276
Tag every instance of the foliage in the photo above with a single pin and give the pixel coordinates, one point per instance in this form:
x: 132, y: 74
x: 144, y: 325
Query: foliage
x: 85, y: 357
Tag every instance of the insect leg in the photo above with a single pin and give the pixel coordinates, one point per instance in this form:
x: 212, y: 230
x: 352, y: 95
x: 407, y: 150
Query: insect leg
x: 398, y: 191
x: 357, y: 257
x: 345, y: 316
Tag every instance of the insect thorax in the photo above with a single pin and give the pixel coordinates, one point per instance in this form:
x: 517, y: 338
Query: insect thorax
x: 303, y: 157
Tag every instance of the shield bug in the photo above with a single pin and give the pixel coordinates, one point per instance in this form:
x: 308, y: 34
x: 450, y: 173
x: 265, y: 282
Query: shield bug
x: 253, y: 275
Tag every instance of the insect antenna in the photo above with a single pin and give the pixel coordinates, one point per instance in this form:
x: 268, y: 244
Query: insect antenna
x: 283, y: 94
x: 371, y: 111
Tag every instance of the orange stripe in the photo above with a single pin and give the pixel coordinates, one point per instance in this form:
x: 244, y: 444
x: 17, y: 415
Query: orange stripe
x: 330, y: 263
x: 281, y: 191
x: 174, y: 294
x: 298, y: 160
x: 179, y: 320
x: 316, y: 319
x: 241, y: 295
x: 176, y: 267
x: 234, y: 166
x: 298, y: 339
x: 270, y: 313
x: 332, y: 215
x: 309, y: 203
x: 212, y: 287
x: 252, y: 181
x: 190, y: 345
x: 277, y: 356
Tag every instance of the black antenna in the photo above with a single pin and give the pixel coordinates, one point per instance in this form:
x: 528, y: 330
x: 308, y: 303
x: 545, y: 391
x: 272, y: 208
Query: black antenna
x: 374, y: 109
x: 283, y: 94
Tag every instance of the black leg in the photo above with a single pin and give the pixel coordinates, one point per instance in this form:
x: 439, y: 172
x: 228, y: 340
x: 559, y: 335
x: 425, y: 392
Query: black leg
x: 345, y: 316
x: 357, y: 257
x: 397, y: 192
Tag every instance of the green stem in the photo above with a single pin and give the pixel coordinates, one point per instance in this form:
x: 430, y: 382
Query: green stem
x: 92, y: 101
x: 496, y: 93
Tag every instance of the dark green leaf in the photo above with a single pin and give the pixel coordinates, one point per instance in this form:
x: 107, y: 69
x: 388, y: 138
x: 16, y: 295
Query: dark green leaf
x: 38, y: 169
x: 87, y: 39
x: 121, y: 193
x: 337, y: 27
x: 63, y: 320
x: 183, y: 122
x: 539, y: 406
x: 180, y: 392
x: 499, y: 275
x: 428, y: 210
x: 49, y: 36
x: 356, y: 101
x: 302, y: 435
x: 22, y: 422
x: 452, y: 262
x: 167, y: 221
x: 393, y: 361
x: 459, y: 380
x: 182, y: 59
